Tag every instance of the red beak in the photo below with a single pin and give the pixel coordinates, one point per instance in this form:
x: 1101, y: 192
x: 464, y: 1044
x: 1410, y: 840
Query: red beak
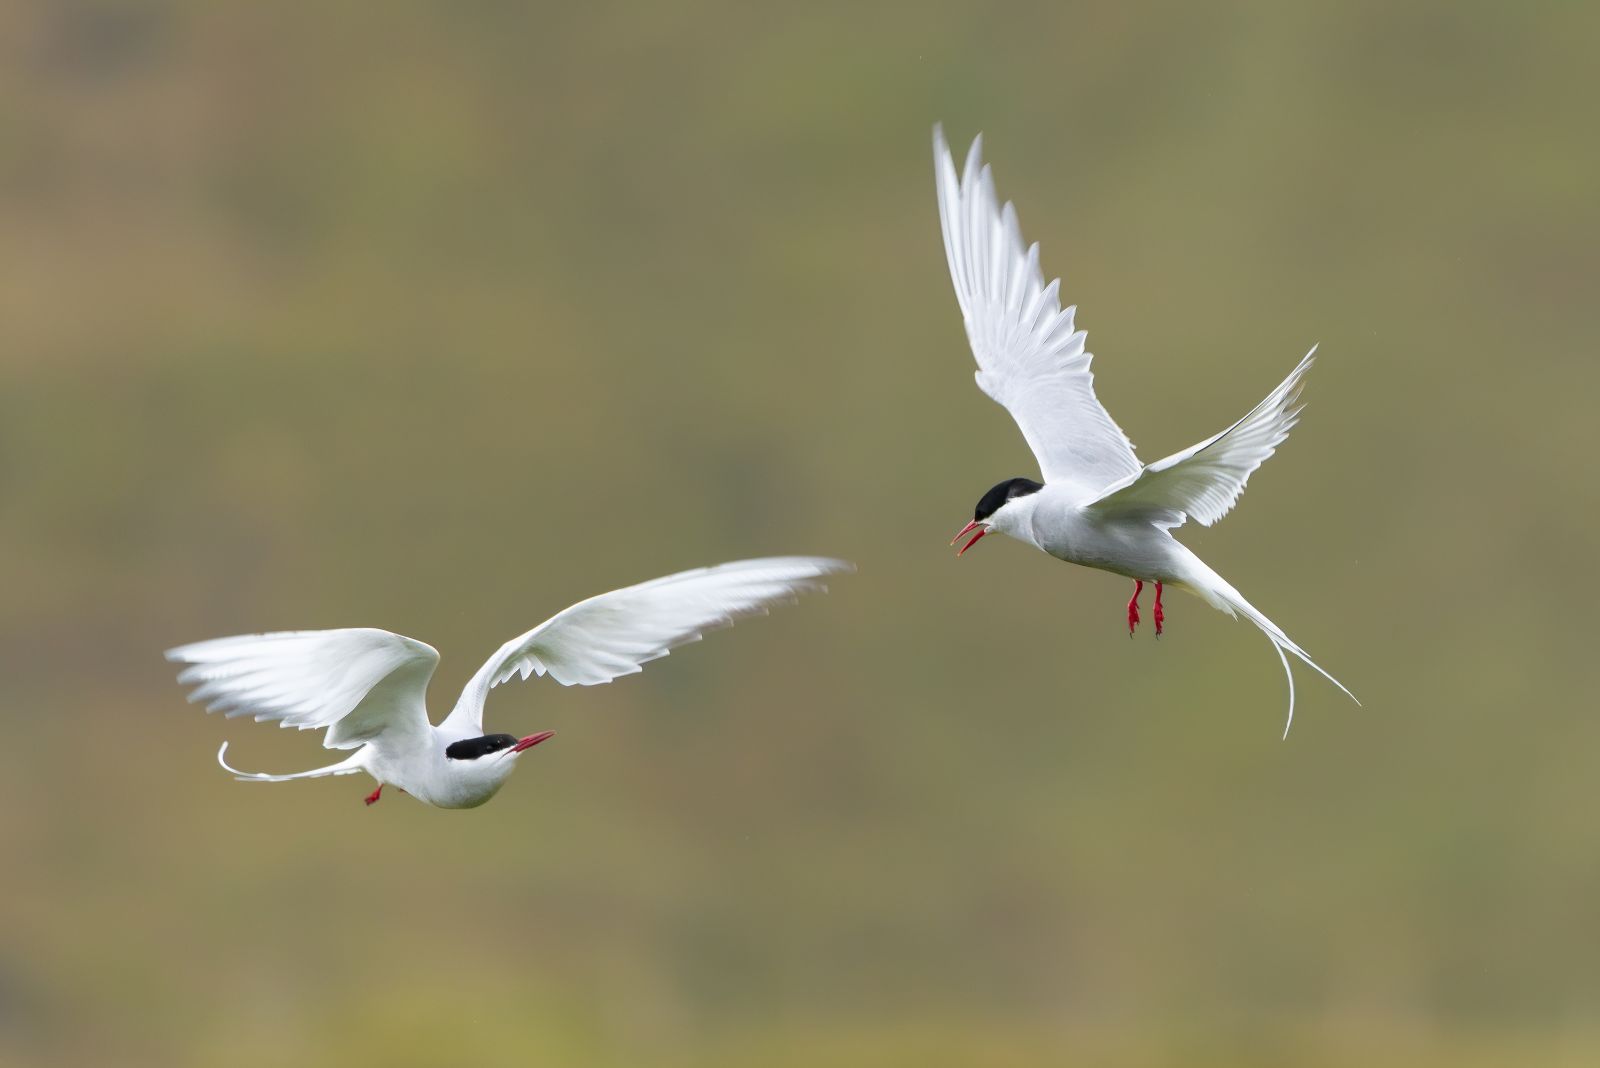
x: 531, y: 740
x: 981, y: 531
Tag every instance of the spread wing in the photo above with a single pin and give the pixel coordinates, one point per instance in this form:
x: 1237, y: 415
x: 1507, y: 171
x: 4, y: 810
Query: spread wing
x: 1205, y: 480
x: 1030, y: 358
x: 359, y: 682
x: 617, y: 633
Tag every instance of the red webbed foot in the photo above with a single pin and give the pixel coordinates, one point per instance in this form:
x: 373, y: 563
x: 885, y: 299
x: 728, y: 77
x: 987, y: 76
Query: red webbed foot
x: 372, y: 798
x: 1133, y: 606
x: 1161, y: 616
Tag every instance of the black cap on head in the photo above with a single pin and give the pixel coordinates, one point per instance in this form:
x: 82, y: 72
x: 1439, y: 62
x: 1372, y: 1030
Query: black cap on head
x: 473, y: 748
x: 991, y: 502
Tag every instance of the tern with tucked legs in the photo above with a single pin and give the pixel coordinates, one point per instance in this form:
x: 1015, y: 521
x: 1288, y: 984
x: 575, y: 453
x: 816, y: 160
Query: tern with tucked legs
x: 368, y: 687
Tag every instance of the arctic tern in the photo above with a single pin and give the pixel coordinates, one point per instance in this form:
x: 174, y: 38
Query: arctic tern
x: 1098, y: 505
x: 368, y: 687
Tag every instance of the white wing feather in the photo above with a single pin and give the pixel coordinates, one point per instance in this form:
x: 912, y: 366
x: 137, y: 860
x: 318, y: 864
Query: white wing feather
x: 358, y: 682
x: 1204, y: 481
x: 1030, y: 358
x: 617, y: 633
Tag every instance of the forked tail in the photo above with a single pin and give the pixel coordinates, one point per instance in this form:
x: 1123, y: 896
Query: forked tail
x: 348, y: 766
x: 1216, y: 591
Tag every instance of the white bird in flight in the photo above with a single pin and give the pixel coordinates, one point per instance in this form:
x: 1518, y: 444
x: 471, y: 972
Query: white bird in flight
x: 368, y: 687
x: 1098, y: 505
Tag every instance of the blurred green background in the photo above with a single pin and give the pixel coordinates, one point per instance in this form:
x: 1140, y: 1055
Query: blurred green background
x: 440, y: 316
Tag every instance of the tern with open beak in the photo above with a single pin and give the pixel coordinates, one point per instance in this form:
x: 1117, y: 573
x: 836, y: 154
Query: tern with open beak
x: 368, y: 687
x: 1097, y: 504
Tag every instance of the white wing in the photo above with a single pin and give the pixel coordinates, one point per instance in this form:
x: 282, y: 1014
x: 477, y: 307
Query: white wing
x: 357, y: 682
x: 1205, y: 480
x: 616, y: 633
x: 1030, y: 359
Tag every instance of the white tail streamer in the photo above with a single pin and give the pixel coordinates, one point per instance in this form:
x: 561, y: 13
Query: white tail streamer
x: 1217, y: 592
x: 348, y: 766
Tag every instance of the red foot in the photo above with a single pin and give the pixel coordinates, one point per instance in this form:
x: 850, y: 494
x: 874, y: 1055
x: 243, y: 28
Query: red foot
x: 1133, y: 606
x: 372, y: 798
x: 1160, y: 615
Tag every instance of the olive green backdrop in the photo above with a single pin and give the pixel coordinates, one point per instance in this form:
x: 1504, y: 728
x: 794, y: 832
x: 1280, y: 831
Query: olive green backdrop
x: 440, y: 316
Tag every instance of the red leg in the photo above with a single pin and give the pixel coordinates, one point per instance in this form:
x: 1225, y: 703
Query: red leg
x: 372, y: 798
x: 1133, y: 606
x: 1160, y: 615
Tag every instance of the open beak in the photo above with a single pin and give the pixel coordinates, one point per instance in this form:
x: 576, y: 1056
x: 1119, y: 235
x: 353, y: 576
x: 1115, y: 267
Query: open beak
x: 974, y: 525
x: 530, y: 741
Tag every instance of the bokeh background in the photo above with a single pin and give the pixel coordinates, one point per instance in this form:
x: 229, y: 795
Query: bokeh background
x: 440, y: 316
